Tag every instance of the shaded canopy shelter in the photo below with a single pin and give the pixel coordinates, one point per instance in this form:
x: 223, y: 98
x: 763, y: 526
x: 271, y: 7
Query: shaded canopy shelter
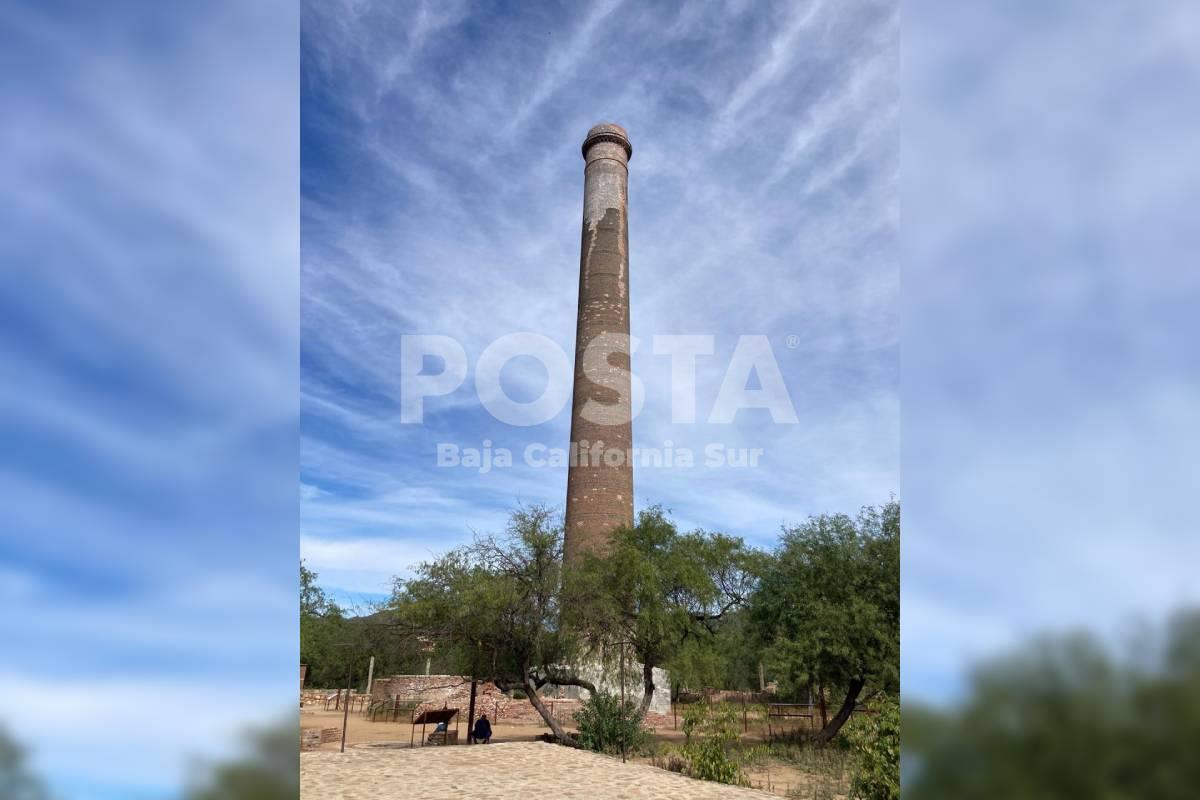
x: 434, y: 716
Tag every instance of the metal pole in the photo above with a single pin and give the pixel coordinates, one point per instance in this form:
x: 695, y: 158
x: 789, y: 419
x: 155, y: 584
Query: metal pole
x: 346, y: 713
x: 622, y: 701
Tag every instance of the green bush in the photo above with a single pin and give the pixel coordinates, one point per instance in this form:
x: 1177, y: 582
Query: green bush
x: 875, y: 739
x: 709, y: 731
x: 606, y: 724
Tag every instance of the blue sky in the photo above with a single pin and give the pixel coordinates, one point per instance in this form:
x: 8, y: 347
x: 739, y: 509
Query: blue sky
x: 150, y: 315
x: 1050, y: 385
x: 442, y: 194
x: 148, y: 340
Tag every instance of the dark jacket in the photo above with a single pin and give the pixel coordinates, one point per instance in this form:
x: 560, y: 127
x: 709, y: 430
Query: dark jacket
x: 483, y: 729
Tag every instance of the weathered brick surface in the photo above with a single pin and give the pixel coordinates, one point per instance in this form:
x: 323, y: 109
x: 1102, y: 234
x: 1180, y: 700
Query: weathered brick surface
x: 600, y: 475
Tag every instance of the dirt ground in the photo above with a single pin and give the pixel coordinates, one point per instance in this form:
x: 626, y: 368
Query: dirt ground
x: 507, y: 771
x: 362, y: 730
x: 774, y: 777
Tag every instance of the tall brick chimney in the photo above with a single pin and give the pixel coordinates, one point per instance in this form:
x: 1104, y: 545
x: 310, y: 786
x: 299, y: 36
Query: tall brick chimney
x: 599, y: 487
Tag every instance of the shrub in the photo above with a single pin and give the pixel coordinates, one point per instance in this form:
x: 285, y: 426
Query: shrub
x: 709, y: 731
x: 876, y: 741
x: 606, y: 724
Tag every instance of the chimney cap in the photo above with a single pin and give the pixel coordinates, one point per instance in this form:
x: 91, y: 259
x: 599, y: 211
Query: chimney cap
x: 608, y: 132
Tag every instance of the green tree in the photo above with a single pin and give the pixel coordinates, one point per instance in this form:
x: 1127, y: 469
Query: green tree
x: 493, y: 609
x: 268, y: 770
x: 323, y: 631
x: 875, y: 738
x: 16, y: 781
x: 827, y: 608
x: 661, y: 592
x: 1068, y: 716
x: 728, y: 659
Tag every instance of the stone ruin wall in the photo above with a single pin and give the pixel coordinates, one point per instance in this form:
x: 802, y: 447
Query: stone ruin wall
x: 438, y: 691
x: 313, y: 738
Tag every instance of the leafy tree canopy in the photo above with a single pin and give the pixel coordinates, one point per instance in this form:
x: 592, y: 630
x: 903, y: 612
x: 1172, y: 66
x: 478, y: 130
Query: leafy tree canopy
x: 493, y: 608
x: 662, y: 592
x: 269, y: 769
x: 827, y: 607
x: 1065, y: 717
x: 17, y: 782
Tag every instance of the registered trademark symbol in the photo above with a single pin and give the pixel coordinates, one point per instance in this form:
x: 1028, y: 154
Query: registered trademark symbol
x: 793, y: 342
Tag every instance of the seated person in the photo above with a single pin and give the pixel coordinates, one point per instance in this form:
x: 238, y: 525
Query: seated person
x: 483, y: 730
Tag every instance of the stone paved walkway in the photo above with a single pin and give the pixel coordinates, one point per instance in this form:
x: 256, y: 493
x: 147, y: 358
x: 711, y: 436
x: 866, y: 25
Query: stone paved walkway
x: 515, y: 770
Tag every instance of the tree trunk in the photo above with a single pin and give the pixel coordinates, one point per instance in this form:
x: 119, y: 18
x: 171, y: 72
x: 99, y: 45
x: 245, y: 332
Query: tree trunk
x: 840, y: 718
x: 648, y: 688
x: 471, y: 712
x: 532, y: 693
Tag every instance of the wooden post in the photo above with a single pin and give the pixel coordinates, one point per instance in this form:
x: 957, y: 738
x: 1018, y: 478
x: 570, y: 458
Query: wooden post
x: 370, y: 675
x: 745, y: 724
x: 762, y: 683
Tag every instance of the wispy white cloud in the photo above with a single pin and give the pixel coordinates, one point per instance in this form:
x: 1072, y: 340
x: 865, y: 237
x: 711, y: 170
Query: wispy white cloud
x: 150, y: 300
x: 456, y: 210
x: 1049, y: 395
x: 777, y: 59
x: 562, y: 60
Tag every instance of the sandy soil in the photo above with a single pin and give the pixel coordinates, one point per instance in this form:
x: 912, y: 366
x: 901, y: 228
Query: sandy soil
x: 361, y: 730
x: 516, y: 770
x: 777, y: 778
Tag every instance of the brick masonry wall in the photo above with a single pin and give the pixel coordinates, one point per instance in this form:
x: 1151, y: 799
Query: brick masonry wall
x: 599, y: 491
